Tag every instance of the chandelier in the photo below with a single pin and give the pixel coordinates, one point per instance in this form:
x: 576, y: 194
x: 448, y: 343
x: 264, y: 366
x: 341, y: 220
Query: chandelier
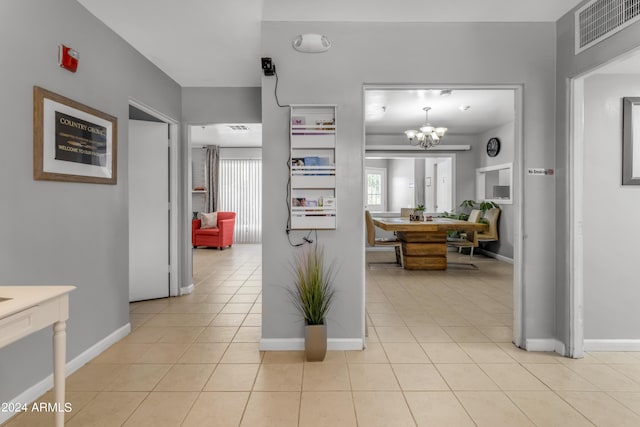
x: 428, y: 135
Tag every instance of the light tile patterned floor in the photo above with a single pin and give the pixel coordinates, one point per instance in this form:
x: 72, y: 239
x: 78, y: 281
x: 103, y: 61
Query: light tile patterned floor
x: 439, y: 354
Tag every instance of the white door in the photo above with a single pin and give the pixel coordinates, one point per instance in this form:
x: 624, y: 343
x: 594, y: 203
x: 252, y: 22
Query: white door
x: 376, y: 189
x: 443, y: 177
x: 148, y: 210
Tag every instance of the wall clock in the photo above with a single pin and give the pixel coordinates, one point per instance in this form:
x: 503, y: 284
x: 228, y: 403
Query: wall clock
x: 493, y: 147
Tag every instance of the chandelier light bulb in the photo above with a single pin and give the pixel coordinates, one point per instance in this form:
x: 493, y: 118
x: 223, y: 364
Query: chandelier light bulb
x: 428, y: 136
x: 410, y: 134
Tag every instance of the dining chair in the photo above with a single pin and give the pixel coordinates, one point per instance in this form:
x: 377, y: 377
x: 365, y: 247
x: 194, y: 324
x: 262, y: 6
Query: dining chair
x: 468, y: 239
x: 381, y: 241
x: 491, y: 235
x: 406, y: 212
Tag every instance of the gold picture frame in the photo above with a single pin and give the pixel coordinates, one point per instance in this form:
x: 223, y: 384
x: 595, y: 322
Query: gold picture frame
x: 72, y: 142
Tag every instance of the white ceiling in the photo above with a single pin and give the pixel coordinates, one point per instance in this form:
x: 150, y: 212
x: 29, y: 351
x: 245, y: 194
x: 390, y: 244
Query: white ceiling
x: 224, y: 135
x: 392, y: 111
x: 216, y: 43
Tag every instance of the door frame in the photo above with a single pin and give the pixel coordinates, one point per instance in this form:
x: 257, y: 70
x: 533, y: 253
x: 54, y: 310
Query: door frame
x: 576, y: 111
x: 576, y: 237
x: 518, y: 196
x: 174, y: 202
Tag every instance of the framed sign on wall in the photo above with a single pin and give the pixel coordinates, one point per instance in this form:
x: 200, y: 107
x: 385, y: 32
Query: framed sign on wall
x: 71, y: 141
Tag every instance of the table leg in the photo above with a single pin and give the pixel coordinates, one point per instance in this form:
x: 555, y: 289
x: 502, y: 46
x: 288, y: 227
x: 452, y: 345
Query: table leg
x: 59, y: 356
x: 424, y: 250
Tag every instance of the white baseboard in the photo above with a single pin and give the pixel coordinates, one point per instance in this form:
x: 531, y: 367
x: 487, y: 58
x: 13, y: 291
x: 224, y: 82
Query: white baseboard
x: 611, y: 345
x: 37, y: 390
x: 549, y: 344
x: 281, y: 344
x: 186, y: 290
x: 495, y: 255
x: 294, y: 344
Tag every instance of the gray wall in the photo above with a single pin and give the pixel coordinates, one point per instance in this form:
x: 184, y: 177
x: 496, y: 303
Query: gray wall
x: 611, y: 291
x: 568, y: 66
x: 66, y: 233
x: 488, y: 53
x: 208, y: 105
x: 506, y: 226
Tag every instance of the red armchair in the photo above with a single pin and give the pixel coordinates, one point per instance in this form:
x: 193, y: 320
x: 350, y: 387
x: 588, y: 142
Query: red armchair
x: 219, y: 237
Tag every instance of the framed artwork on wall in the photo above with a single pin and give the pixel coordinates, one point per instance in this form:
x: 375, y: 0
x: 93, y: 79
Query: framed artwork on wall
x: 71, y: 141
x: 630, y: 141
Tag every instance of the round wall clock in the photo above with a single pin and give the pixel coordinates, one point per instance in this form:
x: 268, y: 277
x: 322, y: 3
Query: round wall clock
x: 493, y: 147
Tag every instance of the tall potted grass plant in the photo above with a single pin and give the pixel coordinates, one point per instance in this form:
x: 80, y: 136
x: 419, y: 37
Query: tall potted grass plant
x: 313, y: 294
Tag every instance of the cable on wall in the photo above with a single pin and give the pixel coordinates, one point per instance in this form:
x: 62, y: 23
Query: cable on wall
x: 269, y: 69
x: 305, y: 239
x: 275, y: 90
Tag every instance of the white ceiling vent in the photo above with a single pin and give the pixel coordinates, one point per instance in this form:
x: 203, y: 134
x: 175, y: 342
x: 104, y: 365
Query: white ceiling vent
x: 599, y: 19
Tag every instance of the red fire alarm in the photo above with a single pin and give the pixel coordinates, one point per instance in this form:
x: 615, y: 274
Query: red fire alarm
x: 68, y: 58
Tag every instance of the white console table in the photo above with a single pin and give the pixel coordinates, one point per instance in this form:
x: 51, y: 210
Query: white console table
x: 27, y: 309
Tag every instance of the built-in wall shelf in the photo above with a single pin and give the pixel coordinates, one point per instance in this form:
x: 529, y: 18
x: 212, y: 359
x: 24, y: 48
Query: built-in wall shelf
x: 312, y: 167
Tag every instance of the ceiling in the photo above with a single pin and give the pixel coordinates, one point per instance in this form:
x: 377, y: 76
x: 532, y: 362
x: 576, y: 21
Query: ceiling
x: 216, y: 43
x: 228, y: 135
x: 392, y: 111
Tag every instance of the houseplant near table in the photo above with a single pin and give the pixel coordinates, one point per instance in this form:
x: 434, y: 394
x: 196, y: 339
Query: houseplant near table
x: 467, y: 206
x: 313, y: 295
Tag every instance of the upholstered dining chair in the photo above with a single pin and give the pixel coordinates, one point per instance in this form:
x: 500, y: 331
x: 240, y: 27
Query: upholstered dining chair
x: 380, y: 241
x: 406, y: 212
x: 467, y: 239
x: 491, y: 235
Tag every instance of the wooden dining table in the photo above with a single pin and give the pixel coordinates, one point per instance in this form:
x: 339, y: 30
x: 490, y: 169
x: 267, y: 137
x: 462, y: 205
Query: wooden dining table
x: 424, y: 243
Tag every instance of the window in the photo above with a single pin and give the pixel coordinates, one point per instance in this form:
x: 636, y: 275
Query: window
x: 376, y: 189
x: 241, y: 192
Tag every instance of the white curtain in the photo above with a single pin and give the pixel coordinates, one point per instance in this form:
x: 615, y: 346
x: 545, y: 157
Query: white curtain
x: 241, y: 192
x: 213, y: 177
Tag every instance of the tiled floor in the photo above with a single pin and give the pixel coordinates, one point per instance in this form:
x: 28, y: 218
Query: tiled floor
x: 439, y: 354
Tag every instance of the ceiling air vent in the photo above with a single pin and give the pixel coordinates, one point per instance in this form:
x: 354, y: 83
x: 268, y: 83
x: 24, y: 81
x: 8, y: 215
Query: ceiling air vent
x: 599, y: 19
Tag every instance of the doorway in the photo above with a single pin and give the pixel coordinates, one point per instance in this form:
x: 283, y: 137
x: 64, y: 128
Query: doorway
x: 153, y: 204
x: 439, y: 184
x: 392, y: 110
x: 238, y: 185
x: 601, y: 281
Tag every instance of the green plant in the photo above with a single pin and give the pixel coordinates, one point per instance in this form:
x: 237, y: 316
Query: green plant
x: 420, y: 208
x: 485, y: 206
x: 468, y: 204
x: 313, y: 291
